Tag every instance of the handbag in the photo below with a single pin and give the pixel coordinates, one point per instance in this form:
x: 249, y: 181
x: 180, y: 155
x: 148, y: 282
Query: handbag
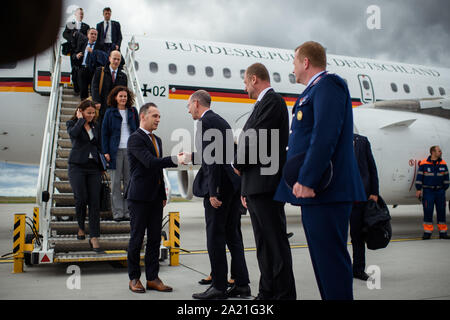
x: 378, y: 229
x: 105, y: 195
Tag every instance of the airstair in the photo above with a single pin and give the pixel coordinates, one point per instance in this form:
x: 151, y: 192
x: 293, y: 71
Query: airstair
x: 55, y: 228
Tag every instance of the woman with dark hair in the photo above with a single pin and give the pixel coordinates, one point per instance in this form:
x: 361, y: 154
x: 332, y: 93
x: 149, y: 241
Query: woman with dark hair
x: 120, y: 121
x: 85, y: 170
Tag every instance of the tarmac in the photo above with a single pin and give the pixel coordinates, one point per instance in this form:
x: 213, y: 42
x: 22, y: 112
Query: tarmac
x: 408, y: 269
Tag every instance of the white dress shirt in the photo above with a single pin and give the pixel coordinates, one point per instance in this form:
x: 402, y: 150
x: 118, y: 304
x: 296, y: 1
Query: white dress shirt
x: 108, y: 37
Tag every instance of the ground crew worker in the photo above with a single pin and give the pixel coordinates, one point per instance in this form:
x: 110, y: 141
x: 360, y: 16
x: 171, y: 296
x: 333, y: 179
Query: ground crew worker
x: 431, y: 183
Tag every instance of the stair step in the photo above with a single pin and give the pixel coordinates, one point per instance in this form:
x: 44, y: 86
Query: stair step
x: 74, y: 257
x: 62, y: 163
x: 106, y: 227
x: 69, y: 209
x: 68, y: 110
x: 63, y: 186
x: 62, y: 134
x: 63, y: 153
x: 62, y: 174
x: 71, y: 244
x: 64, y: 118
x: 65, y: 143
x: 62, y: 126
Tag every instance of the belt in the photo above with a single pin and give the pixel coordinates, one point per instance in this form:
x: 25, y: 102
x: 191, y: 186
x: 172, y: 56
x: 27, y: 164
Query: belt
x: 432, y: 187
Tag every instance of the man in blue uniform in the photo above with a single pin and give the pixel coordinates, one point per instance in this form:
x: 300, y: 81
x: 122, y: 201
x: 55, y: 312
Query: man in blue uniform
x: 431, y: 183
x: 322, y: 130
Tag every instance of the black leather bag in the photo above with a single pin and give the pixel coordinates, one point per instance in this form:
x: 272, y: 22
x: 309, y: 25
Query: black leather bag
x: 105, y: 195
x: 377, y: 221
x: 66, y: 48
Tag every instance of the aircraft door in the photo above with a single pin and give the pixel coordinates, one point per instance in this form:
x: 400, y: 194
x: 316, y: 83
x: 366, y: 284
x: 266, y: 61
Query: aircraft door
x: 367, y: 93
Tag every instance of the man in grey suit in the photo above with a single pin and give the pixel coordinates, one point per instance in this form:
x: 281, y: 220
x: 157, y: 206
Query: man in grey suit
x: 260, y: 180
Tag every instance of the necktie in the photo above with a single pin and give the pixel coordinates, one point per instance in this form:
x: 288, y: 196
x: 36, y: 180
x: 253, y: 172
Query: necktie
x: 106, y: 30
x: 152, y: 136
x: 113, y: 76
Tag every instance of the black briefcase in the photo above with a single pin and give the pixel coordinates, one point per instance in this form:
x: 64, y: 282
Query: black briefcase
x: 292, y: 168
x: 105, y: 195
x: 66, y: 48
x: 377, y: 229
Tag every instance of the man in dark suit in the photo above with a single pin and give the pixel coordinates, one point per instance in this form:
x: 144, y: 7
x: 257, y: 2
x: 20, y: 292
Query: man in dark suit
x: 106, y: 78
x: 219, y: 187
x: 322, y: 130
x: 369, y: 176
x: 109, y: 32
x: 258, y: 187
x: 146, y: 197
x: 73, y: 31
x: 85, y: 59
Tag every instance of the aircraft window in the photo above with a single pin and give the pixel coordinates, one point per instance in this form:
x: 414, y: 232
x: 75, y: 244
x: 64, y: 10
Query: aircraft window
x: 276, y: 77
x: 441, y: 91
x: 366, y: 85
x: 292, y: 78
x: 191, y: 70
x: 173, y: 68
x: 242, y: 74
x: 406, y: 88
x: 209, y: 71
x: 11, y: 65
x: 227, y: 73
x: 430, y: 91
x: 394, y: 87
x: 153, y: 67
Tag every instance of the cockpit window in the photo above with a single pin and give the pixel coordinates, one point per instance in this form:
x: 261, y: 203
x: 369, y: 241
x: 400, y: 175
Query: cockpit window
x: 11, y: 65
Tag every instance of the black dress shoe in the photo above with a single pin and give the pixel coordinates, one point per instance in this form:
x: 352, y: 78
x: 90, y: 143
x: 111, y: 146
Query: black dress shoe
x: 118, y: 219
x: 211, y: 294
x: 96, y: 250
x: 426, y: 236
x: 239, y: 291
x: 361, y: 276
x: 204, y: 281
x: 83, y: 237
x: 443, y: 236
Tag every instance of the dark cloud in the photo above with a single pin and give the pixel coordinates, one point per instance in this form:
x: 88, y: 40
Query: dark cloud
x: 412, y: 31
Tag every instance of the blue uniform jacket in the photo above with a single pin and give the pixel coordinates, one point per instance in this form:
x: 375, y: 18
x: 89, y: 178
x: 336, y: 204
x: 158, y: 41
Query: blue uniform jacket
x: 322, y: 126
x: 432, y: 175
x: 111, y: 129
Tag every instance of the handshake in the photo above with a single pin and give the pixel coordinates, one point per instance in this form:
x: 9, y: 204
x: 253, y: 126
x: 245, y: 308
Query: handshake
x: 184, y: 158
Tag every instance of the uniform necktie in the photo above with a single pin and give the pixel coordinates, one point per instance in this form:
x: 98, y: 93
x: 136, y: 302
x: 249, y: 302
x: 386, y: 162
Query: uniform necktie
x: 106, y: 30
x: 152, y: 136
x: 114, y: 76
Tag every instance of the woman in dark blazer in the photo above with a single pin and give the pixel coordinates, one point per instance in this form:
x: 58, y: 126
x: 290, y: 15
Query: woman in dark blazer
x: 120, y: 121
x: 85, y: 170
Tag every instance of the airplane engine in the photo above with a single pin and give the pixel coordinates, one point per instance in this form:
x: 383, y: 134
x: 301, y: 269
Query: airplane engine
x: 185, y: 183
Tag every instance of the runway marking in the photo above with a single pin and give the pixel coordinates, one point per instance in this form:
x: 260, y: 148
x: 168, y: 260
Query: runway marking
x: 301, y: 246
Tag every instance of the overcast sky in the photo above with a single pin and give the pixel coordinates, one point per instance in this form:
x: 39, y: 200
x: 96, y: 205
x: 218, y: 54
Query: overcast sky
x: 412, y: 31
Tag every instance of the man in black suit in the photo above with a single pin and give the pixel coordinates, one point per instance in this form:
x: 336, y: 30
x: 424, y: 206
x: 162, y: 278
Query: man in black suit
x: 84, y: 57
x: 106, y: 78
x: 146, y: 197
x: 73, y: 31
x: 219, y: 187
x: 109, y: 32
x: 369, y: 176
x: 260, y: 181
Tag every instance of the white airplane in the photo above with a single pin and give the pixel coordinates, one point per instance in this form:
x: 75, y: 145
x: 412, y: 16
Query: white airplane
x: 391, y: 101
